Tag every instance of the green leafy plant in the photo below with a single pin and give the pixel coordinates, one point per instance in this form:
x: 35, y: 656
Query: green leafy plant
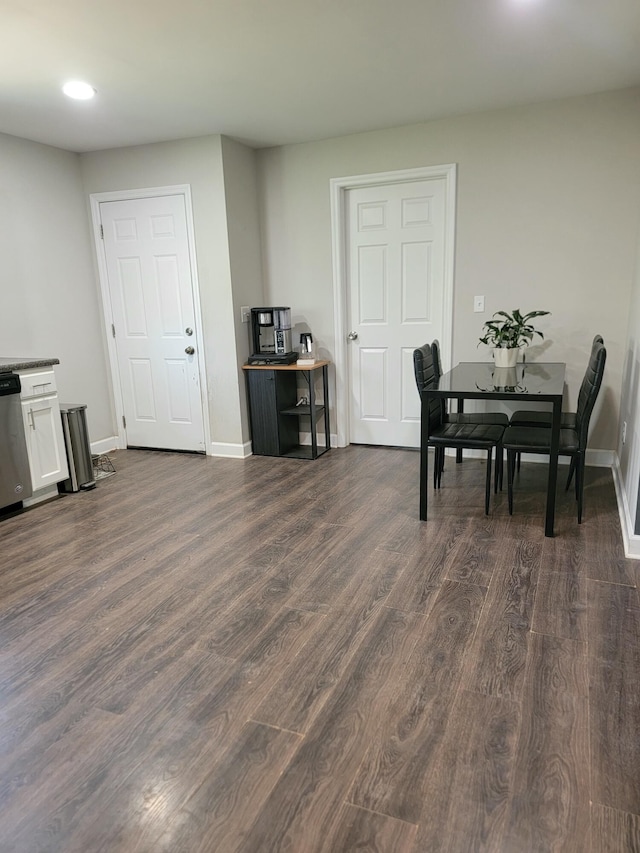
x: 512, y: 330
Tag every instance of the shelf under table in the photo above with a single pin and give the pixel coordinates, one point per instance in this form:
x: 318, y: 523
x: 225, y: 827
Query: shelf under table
x: 302, y: 410
x: 304, y: 451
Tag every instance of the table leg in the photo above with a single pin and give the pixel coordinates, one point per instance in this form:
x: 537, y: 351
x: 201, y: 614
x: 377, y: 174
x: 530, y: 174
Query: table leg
x: 460, y: 411
x: 312, y: 412
x: 424, y: 454
x: 553, y: 467
x: 325, y: 394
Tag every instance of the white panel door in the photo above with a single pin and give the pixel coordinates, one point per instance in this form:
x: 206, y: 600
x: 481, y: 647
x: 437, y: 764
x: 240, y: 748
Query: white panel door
x: 395, y: 266
x: 150, y: 286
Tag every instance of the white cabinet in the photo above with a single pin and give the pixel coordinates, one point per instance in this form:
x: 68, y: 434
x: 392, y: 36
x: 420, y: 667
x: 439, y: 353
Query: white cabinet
x: 43, y: 428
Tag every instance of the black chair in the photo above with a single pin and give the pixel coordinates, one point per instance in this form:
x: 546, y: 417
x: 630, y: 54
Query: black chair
x: 495, y: 418
x: 443, y: 433
x: 573, y: 440
x: 524, y: 418
x: 426, y: 370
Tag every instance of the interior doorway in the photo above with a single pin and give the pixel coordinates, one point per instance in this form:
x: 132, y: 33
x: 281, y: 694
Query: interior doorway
x: 150, y: 296
x: 393, y: 252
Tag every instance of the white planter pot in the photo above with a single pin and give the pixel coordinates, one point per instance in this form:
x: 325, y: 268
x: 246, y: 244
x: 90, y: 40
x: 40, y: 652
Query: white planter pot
x: 505, y: 357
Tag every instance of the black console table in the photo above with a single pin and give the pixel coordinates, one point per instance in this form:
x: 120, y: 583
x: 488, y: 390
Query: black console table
x: 276, y: 418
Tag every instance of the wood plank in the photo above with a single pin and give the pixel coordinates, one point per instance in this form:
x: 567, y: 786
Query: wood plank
x: 38, y: 811
x: 473, y: 560
x: 214, y: 816
x: 549, y: 807
x: 420, y: 583
x: 187, y: 733
x: 614, y: 623
x: 362, y: 830
x: 349, y: 577
x: 561, y: 606
x: 395, y: 770
x: 137, y: 774
x: 303, y: 806
x: 614, y: 650
x: 307, y: 682
x: 496, y: 663
x: 467, y: 791
x: 613, y: 831
x: 615, y: 746
x: 34, y: 741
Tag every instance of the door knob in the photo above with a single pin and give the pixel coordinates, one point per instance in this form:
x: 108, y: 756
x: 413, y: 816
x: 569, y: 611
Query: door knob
x: 188, y: 331
x: 189, y: 350
x: 352, y: 336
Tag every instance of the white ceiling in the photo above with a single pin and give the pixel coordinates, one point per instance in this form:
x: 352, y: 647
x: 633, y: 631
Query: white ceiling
x: 270, y: 72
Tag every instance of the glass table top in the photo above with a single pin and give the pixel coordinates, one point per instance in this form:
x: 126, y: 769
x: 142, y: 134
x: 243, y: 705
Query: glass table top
x: 531, y: 379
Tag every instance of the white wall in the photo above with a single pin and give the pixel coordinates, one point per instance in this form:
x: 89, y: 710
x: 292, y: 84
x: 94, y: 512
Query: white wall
x: 199, y: 163
x: 50, y: 305
x: 547, y: 218
x: 243, y: 228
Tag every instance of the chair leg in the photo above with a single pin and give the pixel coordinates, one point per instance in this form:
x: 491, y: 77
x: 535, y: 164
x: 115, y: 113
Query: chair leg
x: 572, y: 470
x: 580, y: 483
x: 487, y: 491
x: 440, y: 462
x: 436, y: 466
x: 511, y: 463
x: 519, y: 458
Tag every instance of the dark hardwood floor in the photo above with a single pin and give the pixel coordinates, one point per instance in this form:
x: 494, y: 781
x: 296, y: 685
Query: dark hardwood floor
x: 277, y: 655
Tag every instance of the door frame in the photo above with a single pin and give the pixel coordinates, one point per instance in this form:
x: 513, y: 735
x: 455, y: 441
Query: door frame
x: 96, y: 199
x: 338, y: 188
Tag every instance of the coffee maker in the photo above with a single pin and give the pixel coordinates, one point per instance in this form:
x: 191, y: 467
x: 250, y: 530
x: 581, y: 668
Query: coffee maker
x: 271, y: 336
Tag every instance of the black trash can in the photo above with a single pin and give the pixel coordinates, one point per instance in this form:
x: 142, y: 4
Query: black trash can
x: 76, y: 439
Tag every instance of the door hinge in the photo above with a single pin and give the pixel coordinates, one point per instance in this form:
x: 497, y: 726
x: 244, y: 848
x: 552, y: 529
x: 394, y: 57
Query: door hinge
x: 124, y: 422
x: 101, y: 232
x: 113, y: 330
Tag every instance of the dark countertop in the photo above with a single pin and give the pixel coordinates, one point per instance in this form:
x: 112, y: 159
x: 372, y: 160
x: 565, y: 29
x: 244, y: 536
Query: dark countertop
x: 8, y: 364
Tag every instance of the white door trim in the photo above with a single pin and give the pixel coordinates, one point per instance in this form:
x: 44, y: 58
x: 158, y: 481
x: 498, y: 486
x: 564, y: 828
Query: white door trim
x: 338, y: 188
x: 96, y: 200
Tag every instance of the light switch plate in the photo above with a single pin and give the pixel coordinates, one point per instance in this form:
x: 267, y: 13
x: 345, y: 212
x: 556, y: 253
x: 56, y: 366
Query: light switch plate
x: 478, y: 304
x: 245, y: 313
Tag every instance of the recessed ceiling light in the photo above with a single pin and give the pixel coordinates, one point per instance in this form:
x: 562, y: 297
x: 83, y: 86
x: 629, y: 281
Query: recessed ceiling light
x: 80, y: 91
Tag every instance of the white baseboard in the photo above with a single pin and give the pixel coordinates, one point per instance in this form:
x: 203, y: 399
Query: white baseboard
x: 601, y: 458
x: 230, y: 451
x: 630, y: 539
x: 217, y: 448
x: 105, y: 445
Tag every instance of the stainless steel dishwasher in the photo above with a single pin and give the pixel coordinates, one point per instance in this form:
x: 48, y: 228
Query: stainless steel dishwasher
x: 15, y: 476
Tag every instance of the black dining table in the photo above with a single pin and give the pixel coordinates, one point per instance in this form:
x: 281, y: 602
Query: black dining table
x: 542, y: 382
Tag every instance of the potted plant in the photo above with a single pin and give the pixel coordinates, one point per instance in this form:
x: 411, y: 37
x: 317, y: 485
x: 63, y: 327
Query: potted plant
x: 509, y: 333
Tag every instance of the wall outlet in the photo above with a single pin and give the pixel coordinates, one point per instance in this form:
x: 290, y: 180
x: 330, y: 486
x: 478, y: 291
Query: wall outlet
x: 624, y: 431
x: 245, y: 314
x: 478, y: 304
